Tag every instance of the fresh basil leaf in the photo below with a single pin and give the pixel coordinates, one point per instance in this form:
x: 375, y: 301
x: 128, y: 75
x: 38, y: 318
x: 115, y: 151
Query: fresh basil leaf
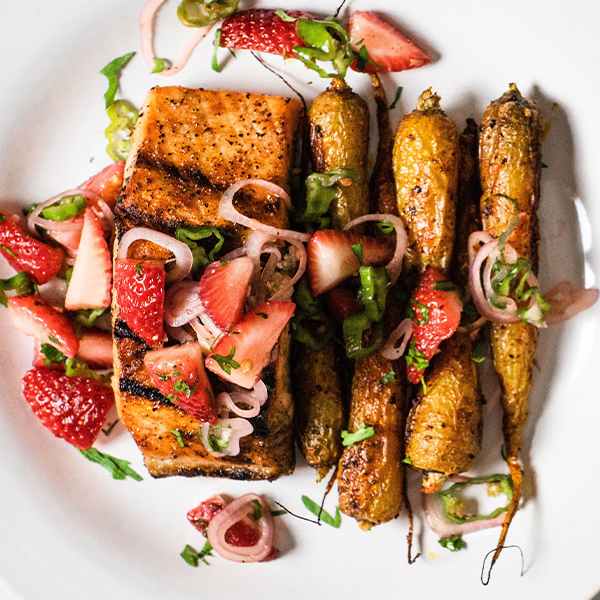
x: 159, y: 65
x: 112, y: 72
x: 454, y: 543
x: 322, y: 514
x: 398, y: 94
x: 362, y: 433
x: 117, y: 467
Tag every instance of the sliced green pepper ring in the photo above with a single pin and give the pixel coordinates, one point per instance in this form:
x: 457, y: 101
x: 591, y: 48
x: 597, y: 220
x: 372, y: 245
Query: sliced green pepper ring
x: 449, y: 501
x: 64, y: 209
x: 199, y: 13
x: 123, y: 116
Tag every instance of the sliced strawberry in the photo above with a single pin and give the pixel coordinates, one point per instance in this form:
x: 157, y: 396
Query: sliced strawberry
x: 387, y: 46
x: 262, y: 30
x: 91, y: 281
x: 108, y: 183
x: 241, y: 355
x: 69, y: 240
x: 330, y: 259
x: 434, y: 323
x: 341, y: 302
x: 73, y: 408
x: 96, y: 348
x: 25, y: 253
x: 140, y: 292
x: 223, y: 290
x: 178, y: 372
x: 37, y: 317
x: 202, y: 515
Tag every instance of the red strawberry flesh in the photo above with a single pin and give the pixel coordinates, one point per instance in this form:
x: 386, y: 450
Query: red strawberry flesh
x: 140, y: 292
x: 107, y: 183
x: 179, y: 373
x: 250, y: 343
x: 25, y: 253
x: 95, y: 348
x: 36, y: 317
x: 331, y: 260
x: 223, y: 290
x: 262, y: 30
x: 443, y: 316
x: 388, y: 47
x: 73, y: 408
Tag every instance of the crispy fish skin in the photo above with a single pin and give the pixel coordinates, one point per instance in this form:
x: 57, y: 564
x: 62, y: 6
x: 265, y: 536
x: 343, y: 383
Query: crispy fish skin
x: 510, y: 163
x: 339, y: 138
x: 370, y: 475
x: 319, y: 406
x: 189, y: 145
x: 426, y: 174
x: 444, y: 426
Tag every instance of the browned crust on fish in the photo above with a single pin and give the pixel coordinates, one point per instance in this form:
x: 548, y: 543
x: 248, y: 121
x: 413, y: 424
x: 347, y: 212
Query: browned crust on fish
x: 188, y: 147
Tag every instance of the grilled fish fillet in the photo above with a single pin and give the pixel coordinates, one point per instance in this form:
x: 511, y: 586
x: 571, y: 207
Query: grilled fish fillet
x: 188, y: 147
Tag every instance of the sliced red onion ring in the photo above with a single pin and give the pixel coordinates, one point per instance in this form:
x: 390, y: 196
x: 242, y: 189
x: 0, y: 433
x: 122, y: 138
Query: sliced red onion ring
x: 231, y: 514
x: 105, y: 214
x: 432, y: 506
x: 228, y: 403
x: 71, y: 224
x: 394, y: 267
x: 182, y: 303
x: 147, y: 21
x: 205, y: 338
x: 179, y: 334
x: 229, y: 431
x: 566, y: 302
x: 478, y: 324
x: 182, y: 252
x: 230, y: 213
x: 208, y: 322
x: 403, y: 331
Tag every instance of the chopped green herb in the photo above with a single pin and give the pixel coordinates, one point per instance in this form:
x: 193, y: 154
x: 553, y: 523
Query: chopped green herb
x: 118, y: 468
x: 112, y: 72
x: 357, y: 250
x: 226, y: 362
x: 177, y: 434
x: 20, y: 283
x: 310, y: 325
x: 166, y: 376
x: 423, y: 385
x: 215, y: 63
x: 8, y: 251
x: 389, y: 378
x: 256, y: 510
x: 191, y: 235
x: 544, y: 166
x: 398, y: 94
x: 407, y: 461
x: 263, y: 315
x: 159, y: 65
x: 445, y: 286
x: 138, y: 269
x: 279, y: 513
x: 54, y: 340
x: 87, y: 317
x: 478, y: 356
x: 385, y: 227
x: 454, y: 543
x: 424, y: 311
x: 415, y: 358
x: 183, y: 386
x: 193, y: 557
x: 321, y: 514
x: 109, y: 429
x: 362, y: 433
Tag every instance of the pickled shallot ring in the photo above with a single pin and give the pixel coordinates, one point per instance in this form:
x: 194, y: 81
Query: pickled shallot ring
x: 147, y: 20
x: 182, y: 252
x: 444, y: 527
x: 34, y: 219
x: 229, y: 442
x: 403, y: 331
x: 230, y: 213
x: 287, y: 290
x: 230, y: 515
x: 394, y: 267
x: 182, y: 303
x: 227, y: 402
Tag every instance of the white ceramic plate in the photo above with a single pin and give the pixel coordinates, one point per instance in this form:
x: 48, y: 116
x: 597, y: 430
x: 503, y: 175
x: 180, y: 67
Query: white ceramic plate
x: 69, y: 531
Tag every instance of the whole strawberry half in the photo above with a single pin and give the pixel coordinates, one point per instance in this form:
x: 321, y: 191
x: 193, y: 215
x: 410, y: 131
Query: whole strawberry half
x: 73, y: 408
x: 140, y: 290
x: 223, y: 290
x: 25, y: 253
x: 178, y: 372
x: 436, y: 309
x: 262, y: 30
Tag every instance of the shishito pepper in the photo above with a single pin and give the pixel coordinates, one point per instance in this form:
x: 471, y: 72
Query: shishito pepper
x: 64, y: 209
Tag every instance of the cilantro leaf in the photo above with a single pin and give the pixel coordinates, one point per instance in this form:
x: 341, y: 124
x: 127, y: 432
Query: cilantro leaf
x: 454, y: 543
x: 362, y: 433
x: 322, y: 514
x: 192, y: 556
x: 112, y: 71
x: 388, y: 378
x: 177, y: 434
x: 398, y: 94
x: 117, y: 467
x: 159, y: 65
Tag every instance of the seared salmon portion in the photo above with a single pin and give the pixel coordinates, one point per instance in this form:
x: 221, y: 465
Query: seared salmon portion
x: 188, y: 147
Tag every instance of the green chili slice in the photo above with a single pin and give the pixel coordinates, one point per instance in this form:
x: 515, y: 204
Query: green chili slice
x: 123, y: 116
x: 20, y: 283
x: 64, y: 209
x: 199, y: 13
